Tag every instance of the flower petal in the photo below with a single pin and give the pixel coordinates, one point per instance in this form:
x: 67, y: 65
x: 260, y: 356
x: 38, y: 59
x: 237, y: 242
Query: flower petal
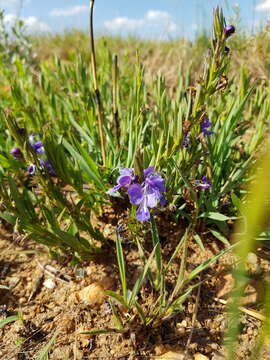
x: 124, y: 180
x: 127, y: 172
x: 143, y: 213
x: 37, y: 145
x: 114, y: 189
x: 148, y: 171
x: 135, y: 193
x: 31, y: 169
x: 162, y: 200
x: 156, y: 181
x: 152, y: 199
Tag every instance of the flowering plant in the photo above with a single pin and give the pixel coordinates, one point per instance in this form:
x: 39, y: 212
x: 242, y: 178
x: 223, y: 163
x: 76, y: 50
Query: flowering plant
x: 38, y: 147
x: 145, y: 194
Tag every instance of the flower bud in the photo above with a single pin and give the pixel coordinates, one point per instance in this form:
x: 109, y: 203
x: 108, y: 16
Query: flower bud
x: 229, y: 30
x: 31, y: 169
x: 16, y: 153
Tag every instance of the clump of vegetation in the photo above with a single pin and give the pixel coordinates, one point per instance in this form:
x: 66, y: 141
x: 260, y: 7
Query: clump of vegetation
x: 73, y: 144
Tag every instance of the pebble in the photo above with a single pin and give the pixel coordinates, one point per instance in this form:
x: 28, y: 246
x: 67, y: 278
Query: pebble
x: 22, y: 300
x: 160, y: 349
x: 172, y: 356
x: 252, y: 258
x: 199, y: 356
x: 92, y: 294
x: 49, y: 283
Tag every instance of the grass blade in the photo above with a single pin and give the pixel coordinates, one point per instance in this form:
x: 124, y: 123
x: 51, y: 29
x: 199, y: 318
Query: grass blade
x: 44, y: 353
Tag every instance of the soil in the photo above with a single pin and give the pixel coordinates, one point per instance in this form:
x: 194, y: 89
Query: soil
x: 47, y: 293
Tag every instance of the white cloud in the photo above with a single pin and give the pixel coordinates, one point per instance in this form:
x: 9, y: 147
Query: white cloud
x: 157, y: 15
x: 124, y: 23
x: 264, y: 6
x: 69, y: 11
x: 153, y: 19
x: 32, y: 24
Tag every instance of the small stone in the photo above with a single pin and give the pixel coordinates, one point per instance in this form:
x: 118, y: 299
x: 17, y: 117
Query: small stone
x: 252, y: 258
x: 171, y: 355
x: 183, y: 323
x: 49, y: 284
x: 199, y: 356
x: 160, y: 349
x: 92, y: 294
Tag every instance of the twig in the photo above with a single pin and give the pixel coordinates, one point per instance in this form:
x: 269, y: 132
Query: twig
x: 54, y: 273
x: 97, y: 93
x: 36, y: 287
x: 194, y: 317
x: 257, y: 315
x: 114, y: 96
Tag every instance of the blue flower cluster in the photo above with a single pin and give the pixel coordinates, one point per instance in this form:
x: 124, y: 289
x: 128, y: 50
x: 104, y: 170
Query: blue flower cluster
x: 145, y: 194
x: 205, y: 124
x: 37, y: 146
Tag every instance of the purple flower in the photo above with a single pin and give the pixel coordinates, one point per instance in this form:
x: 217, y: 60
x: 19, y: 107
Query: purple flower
x: 148, y: 193
x: 21, y: 131
x: 31, y: 169
x: 229, y: 30
x: 135, y: 192
x: 126, y: 177
x: 203, y: 184
x: 186, y: 139
x: 37, y: 146
x: 16, y: 153
x: 46, y: 164
x: 205, y: 124
x: 49, y: 167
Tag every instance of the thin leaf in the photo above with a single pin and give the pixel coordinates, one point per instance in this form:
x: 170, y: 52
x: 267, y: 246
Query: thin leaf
x: 121, y: 265
x: 199, y: 241
x: 216, y: 216
x: 156, y: 244
x: 9, y: 319
x: 116, y: 296
x: 207, y: 263
x: 140, y: 279
x: 44, y: 353
x: 220, y: 237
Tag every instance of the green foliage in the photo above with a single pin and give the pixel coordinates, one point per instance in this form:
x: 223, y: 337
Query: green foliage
x: 59, y: 103
x: 14, y: 43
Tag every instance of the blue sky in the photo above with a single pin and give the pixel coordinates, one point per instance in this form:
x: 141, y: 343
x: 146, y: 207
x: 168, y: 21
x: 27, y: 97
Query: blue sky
x: 148, y: 18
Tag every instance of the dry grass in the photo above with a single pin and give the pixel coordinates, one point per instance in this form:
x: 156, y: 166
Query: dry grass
x: 167, y: 58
